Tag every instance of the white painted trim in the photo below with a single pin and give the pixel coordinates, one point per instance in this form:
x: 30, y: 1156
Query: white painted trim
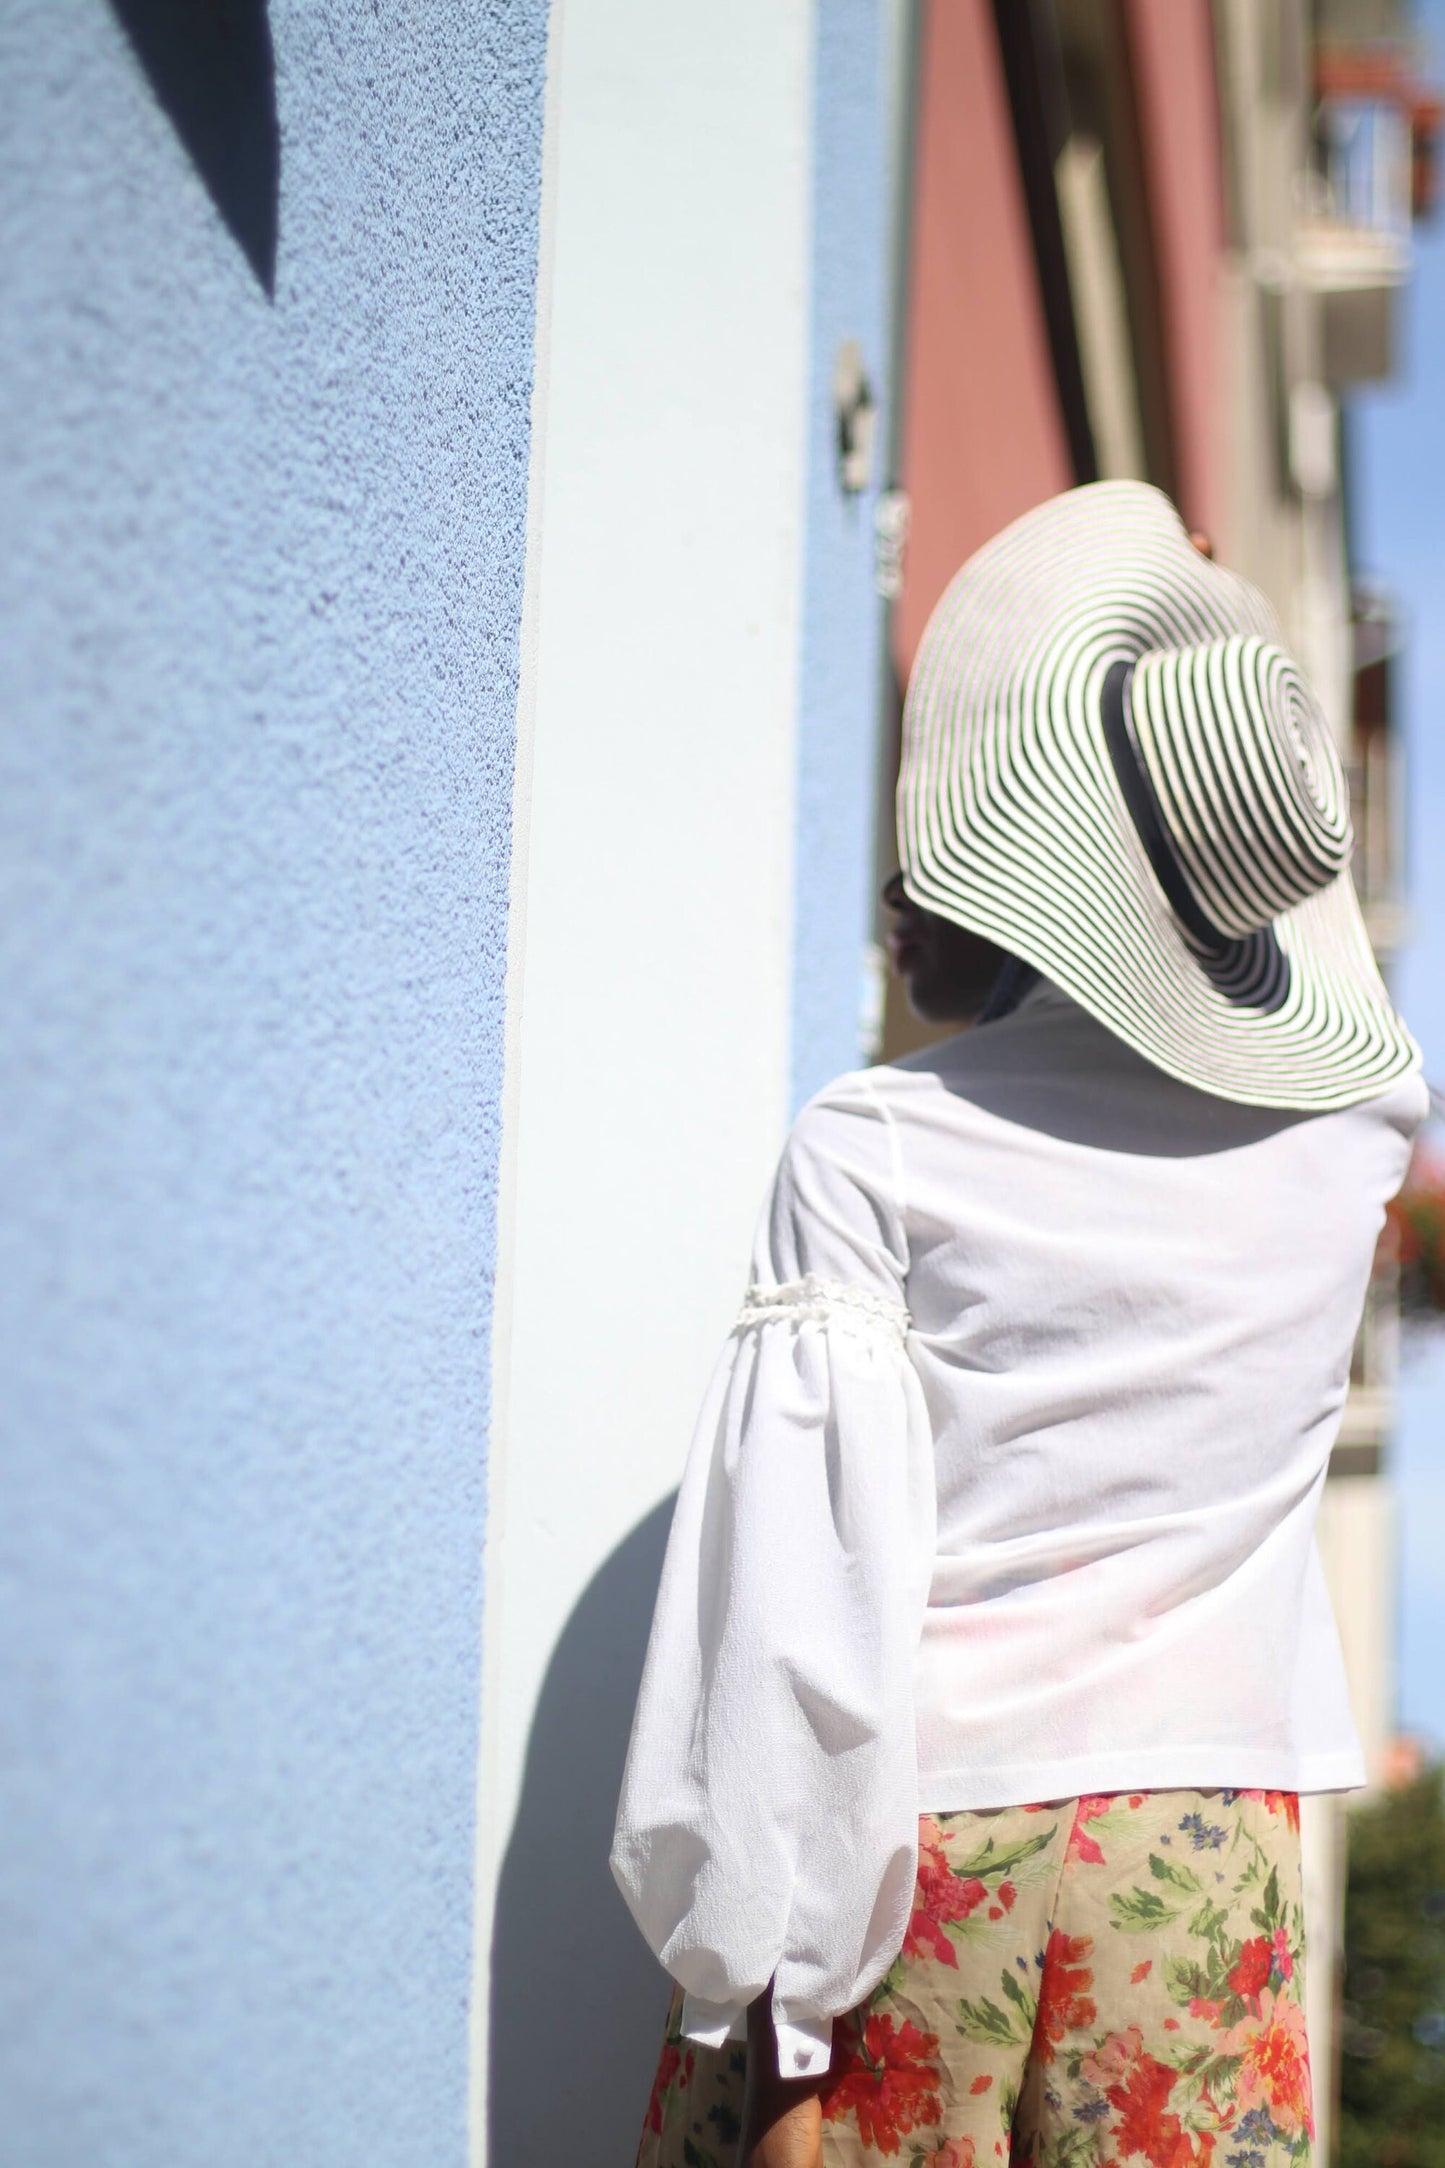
x: 656, y: 767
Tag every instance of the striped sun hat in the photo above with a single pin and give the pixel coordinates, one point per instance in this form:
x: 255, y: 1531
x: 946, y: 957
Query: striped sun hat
x: 1112, y: 768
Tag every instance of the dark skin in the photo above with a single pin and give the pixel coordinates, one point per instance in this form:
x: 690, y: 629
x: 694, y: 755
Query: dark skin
x: 783, y: 2117
x: 949, y: 973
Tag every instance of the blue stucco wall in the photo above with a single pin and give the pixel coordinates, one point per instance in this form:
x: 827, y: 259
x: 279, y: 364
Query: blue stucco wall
x: 840, y: 693
x: 262, y: 567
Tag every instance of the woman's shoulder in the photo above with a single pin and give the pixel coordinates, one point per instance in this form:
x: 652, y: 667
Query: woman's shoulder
x: 1405, y: 1106
x: 865, y: 1099
x: 846, y: 1137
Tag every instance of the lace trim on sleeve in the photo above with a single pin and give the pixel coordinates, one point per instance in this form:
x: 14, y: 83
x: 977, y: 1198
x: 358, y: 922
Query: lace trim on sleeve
x: 825, y: 1302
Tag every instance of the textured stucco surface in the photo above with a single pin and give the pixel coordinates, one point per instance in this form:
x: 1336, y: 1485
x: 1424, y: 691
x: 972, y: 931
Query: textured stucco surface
x: 262, y: 570
x: 840, y: 690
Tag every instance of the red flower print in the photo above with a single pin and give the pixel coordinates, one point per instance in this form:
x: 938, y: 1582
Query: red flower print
x: 1275, y: 2072
x: 667, y: 2068
x: 1081, y: 1844
x: 1064, y: 2004
x: 939, y: 1896
x: 956, y: 2153
x: 1007, y: 1896
x: 890, y: 2083
x: 1285, y: 1803
x: 1251, y: 1970
x: 1211, y: 2012
x: 1106, y: 2064
x: 1283, y: 1960
x: 981, y: 2084
x: 1141, y: 1972
x: 1145, y: 2126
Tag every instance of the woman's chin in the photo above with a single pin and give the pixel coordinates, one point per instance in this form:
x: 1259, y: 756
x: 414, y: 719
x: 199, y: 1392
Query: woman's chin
x: 935, y: 1005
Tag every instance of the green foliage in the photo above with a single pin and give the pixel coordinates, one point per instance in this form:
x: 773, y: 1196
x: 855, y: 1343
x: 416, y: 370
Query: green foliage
x: 1139, y: 1911
x: 1177, y: 1876
x: 989, y: 1862
x: 986, y: 2021
x: 1392, y: 2064
x: 1208, y: 1920
x: 1074, y: 2149
x: 1267, y: 1915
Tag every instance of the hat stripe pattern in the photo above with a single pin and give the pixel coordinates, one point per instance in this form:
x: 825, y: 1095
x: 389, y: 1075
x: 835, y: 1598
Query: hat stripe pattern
x: 1254, y: 970
x: 1026, y: 815
x: 1250, y: 786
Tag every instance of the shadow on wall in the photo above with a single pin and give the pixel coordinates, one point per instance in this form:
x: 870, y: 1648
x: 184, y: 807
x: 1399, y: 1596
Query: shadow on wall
x: 210, y: 65
x: 577, y: 2000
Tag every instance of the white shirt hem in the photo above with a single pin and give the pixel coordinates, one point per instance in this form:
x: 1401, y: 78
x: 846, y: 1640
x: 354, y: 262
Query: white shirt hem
x: 1169, y: 1769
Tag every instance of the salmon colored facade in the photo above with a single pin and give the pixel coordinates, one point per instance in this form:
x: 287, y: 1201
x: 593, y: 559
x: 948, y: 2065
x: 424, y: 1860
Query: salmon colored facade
x: 983, y: 433
x: 1172, y: 53
x: 983, y: 436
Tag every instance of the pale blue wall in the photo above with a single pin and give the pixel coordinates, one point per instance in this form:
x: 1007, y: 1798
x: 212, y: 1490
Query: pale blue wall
x: 841, y: 660
x: 262, y: 568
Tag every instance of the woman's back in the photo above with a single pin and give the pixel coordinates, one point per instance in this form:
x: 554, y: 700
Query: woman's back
x: 1132, y: 1306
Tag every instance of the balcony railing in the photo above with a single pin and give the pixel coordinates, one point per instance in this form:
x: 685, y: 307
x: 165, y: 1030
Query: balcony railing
x: 1352, y: 243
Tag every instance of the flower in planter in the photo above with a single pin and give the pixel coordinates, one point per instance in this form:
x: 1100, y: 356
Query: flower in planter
x: 1415, y: 1232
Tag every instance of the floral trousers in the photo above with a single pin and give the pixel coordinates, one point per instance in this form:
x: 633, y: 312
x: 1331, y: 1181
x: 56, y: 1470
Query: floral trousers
x: 1086, y: 1984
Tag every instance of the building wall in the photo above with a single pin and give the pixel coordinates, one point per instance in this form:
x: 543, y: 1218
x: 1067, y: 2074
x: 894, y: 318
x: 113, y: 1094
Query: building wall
x: 263, y: 563
x: 1284, y: 525
x: 859, y: 52
x: 1171, y: 46
x: 983, y: 434
x: 695, y: 825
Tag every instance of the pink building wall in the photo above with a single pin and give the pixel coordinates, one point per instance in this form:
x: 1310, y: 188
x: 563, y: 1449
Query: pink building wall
x: 983, y: 438
x: 1172, y: 53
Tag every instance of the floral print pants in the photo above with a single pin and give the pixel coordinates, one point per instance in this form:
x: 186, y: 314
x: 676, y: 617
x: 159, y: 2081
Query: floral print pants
x: 1086, y: 1984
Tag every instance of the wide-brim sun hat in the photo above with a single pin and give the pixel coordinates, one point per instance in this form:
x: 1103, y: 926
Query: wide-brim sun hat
x: 1113, y: 769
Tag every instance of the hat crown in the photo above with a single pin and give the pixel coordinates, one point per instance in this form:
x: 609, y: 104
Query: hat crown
x: 1246, y: 777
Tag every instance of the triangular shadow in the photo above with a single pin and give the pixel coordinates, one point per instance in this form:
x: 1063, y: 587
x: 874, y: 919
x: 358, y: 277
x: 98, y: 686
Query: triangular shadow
x: 577, y: 2000
x: 211, y: 67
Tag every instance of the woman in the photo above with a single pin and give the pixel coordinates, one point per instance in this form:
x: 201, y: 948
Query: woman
x: 992, y: 1649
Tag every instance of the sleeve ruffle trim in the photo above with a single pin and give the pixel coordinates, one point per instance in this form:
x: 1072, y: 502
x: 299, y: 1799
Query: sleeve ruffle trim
x: 814, y: 1300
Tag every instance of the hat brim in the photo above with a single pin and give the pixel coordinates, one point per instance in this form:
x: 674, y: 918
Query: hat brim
x: 1012, y: 821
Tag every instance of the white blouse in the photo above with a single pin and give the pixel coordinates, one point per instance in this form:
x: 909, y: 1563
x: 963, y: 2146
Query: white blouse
x: 1003, y: 1490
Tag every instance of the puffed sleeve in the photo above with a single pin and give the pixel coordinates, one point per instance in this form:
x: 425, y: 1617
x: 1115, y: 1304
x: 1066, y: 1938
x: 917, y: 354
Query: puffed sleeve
x: 768, y: 1821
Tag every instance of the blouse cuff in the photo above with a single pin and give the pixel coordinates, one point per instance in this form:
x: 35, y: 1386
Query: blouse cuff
x: 805, y: 2045
x: 711, y: 2024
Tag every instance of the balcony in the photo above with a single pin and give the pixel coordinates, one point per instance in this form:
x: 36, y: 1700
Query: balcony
x: 1372, y: 758
x: 1352, y: 246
